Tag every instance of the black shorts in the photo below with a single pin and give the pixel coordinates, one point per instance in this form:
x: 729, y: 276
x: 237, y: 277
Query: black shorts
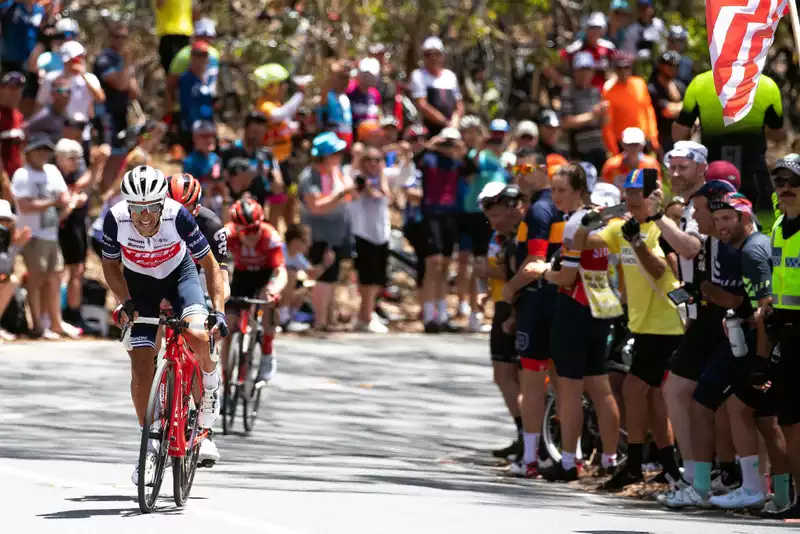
x: 501, y: 345
x: 414, y: 231
x: 702, y: 339
x: 535, y: 312
x: 474, y: 233
x: 651, y: 356
x: 371, y: 262
x: 249, y: 284
x: 74, y: 240
x: 441, y: 233
x: 317, y: 251
x: 785, y: 377
x: 726, y: 375
x: 113, y: 124
x: 181, y: 288
x: 579, y: 342
x: 168, y: 48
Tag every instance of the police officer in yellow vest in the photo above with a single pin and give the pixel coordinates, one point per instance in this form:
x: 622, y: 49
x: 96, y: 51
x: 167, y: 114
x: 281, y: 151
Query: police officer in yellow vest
x: 782, y: 318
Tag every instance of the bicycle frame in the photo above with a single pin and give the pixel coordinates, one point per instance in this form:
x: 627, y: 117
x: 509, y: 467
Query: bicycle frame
x: 185, y: 365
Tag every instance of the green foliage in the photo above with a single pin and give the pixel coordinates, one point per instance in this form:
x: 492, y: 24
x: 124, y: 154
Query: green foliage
x: 698, y: 37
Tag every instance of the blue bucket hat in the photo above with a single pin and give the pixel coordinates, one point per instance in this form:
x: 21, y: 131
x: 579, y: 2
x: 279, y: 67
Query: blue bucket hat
x: 326, y: 144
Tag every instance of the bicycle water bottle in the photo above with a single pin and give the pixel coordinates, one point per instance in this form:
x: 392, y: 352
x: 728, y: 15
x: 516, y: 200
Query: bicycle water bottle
x: 733, y: 325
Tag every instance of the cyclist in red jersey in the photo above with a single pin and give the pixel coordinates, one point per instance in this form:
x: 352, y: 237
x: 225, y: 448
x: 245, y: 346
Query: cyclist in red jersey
x: 259, y: 271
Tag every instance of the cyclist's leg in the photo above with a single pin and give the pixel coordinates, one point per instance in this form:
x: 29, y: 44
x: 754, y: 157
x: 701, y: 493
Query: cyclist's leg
x: 268, y: 364
x: 464, y: 261
x: 189, y: 303
x: 599, y: 388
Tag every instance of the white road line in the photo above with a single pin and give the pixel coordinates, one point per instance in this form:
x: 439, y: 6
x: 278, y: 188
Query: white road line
x: 198, y: 508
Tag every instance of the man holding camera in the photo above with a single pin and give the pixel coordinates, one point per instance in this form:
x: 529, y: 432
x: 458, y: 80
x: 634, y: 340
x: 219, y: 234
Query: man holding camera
x: 652, y: 318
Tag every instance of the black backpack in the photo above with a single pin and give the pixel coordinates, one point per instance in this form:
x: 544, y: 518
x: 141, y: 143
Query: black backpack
x: 14, y: 319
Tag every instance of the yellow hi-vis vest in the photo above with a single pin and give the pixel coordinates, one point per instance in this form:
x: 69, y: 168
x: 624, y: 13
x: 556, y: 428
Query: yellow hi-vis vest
x: 786, y: 269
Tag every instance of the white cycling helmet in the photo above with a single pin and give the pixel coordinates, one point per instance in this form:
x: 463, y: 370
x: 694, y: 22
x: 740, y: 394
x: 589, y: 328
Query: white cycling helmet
x: 144, y: 184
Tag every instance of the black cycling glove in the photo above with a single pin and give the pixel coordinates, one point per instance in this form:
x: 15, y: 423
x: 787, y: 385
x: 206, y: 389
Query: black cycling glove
x: 632, y: 232
x: 217, y: 318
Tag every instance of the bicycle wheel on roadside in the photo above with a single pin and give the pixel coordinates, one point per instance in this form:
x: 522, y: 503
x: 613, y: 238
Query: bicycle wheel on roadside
x: 230, y: 390
x: 184, y: 469
x: 157, y: 422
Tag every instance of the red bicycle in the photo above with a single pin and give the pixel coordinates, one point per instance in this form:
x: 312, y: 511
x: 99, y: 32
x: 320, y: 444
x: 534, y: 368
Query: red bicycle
x: 171, y: 426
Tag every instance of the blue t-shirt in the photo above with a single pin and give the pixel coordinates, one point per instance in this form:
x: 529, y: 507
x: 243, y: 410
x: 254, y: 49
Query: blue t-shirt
x: 108, y: 62
x: 337, y: 114
x: 204, y: 167
x: 197, y: 99
x: 50, y: 62
x: 20, y: 29
x: 489, y: 170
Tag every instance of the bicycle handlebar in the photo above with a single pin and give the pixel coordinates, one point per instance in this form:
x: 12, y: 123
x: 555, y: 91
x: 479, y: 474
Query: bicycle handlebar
x: 246, y: 301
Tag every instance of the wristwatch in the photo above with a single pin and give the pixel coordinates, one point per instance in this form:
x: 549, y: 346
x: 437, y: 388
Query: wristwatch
x: 656, y: 217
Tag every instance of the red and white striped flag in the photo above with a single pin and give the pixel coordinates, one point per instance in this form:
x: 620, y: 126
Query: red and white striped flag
x: 740, y: 33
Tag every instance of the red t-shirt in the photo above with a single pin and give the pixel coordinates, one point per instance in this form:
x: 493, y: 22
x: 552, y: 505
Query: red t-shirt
x: 10, y: 147
x: 601, y: 53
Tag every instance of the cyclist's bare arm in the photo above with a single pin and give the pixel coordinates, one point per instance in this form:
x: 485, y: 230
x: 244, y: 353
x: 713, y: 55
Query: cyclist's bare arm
x: 686, y: 245
x: 277, y: 283
x: 585, y: 241
x: 112, y: 270
x: 214, y: 281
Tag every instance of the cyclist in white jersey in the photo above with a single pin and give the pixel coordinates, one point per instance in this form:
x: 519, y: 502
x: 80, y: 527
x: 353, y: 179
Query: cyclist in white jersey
x: 149, y: 241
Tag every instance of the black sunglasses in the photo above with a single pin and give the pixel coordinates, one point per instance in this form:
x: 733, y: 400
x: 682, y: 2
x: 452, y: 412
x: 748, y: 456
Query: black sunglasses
x: 782, y: 181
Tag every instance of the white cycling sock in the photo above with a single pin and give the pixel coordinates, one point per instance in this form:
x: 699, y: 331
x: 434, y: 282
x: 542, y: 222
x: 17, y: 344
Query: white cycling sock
x: 441, y: 308
x: 688, y: 471
x: 531, y: 440
x: 751, y: 480
x: 211, y: 380
x: 428, y: 312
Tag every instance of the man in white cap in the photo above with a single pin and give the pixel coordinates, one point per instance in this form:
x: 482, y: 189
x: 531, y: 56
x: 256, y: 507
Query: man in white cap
x: 594, y: 43
x: 365, y: 99
x: 632, y: 157
x: 583, y: 111
x: 435, y: 89
x: 526, y: 135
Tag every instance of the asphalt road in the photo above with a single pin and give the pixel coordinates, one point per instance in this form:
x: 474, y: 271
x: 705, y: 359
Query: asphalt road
x: 361, y: 435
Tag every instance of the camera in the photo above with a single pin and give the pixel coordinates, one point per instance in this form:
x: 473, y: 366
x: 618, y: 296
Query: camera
x: 5, y: 238
x: 361, y: 182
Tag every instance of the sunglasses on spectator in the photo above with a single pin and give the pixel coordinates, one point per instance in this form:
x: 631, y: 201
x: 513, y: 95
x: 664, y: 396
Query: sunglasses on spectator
x: 371, y: 159
x: 782, y: 181
x: 138, y: 209
x: 527, y: 137
x: 63, y: 90
x: 523, y: 168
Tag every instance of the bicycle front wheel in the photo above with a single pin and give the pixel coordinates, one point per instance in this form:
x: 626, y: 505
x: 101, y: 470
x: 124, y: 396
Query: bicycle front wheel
x: 184, y: 468
x: 157, y: 422
x: 230, y: 391
x: 250, y: 408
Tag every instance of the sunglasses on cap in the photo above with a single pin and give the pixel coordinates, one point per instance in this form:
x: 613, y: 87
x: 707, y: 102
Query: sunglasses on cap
x: 782, y: 181
x: 138, y: 209
x: 14, y: 78
x: 523, y: 168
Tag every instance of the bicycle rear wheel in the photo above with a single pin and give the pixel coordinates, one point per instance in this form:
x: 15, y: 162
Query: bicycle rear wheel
x: 157, y: 422
x: 230, y: 390
x: 184, y: 468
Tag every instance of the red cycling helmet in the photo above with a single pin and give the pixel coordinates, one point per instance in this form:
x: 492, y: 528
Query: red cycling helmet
x: 247, y: 212
x: 184, y: 188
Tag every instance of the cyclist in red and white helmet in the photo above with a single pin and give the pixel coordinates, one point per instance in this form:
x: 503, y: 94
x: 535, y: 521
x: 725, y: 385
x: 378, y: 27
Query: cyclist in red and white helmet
x: 259, y: 271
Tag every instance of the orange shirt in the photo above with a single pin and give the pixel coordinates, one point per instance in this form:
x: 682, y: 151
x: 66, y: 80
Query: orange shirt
x: 615, y: 169
x: 629, y: 106
x: 279, y: 135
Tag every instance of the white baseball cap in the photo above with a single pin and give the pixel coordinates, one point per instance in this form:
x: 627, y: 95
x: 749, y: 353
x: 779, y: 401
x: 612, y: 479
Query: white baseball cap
x: 633, y: 136
x: 605, y: 195
x: 526, y: 128
x: 5, y: 210
x: 370, y: 65
x: 205, y: 28
x: 69, y: 147
x: 583, y: 60
x: 433, y: 43
x: 687, y: 149
x: 491, y: 190
x: 450, y: 133
x: 597, y: 20
x: 70, y: 50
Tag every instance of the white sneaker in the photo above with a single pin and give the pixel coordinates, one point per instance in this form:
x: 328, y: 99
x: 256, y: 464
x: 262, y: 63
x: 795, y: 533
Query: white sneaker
x: 738, y: 499
x: 267, y: 368
x: 297, y: 328
x: 209, y: 455
x: 518, y: 469
x: 476, y: 324
x: 684, y: 496
x: 209, y: 408
x: 150, y: 467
